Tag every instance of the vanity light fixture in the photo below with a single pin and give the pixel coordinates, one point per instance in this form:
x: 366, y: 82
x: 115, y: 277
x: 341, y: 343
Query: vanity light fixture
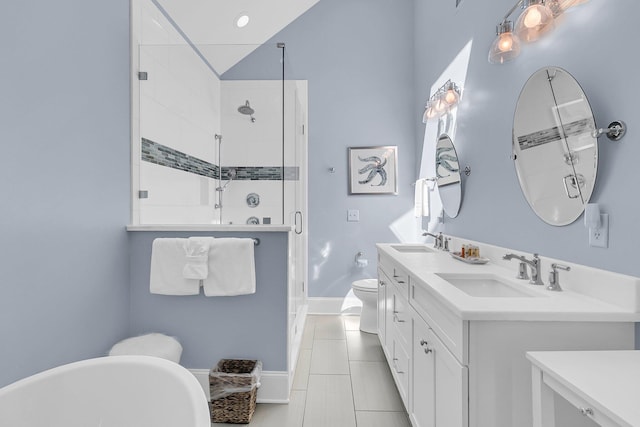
x: 537, y: 19
x: 444, y: 99
x: 506, y: 46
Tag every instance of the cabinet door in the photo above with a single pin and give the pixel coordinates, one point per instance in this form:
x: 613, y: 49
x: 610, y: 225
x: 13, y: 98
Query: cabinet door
x: 388, y: 319
x: 383, y: 281
x: 423, y: 398
x: 451, y: 385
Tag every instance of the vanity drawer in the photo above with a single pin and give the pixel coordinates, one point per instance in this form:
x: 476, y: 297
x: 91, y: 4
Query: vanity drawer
x: 401, y: 318
x: 400, y: 367
x: 583, y: 406
x: 398, y: 275
x: 451, y: 329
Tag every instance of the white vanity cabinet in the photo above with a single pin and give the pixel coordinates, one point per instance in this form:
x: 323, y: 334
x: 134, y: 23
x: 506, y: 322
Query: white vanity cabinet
x: 431, y: 381
x: 460, y: 361
x: 395, y: 323
x: 440, y: 390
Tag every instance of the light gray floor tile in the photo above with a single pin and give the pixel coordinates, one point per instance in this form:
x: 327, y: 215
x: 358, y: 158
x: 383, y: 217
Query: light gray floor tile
x: 373, y: 387
x: 365, y: 347
x: 329, y: 357
x: 351, y: 323
x: 301, y: 377
x: 329, y: 402
x: 307, y: 335
x: 280, y: 415
x: 382, y: 419
x: 329, y: 328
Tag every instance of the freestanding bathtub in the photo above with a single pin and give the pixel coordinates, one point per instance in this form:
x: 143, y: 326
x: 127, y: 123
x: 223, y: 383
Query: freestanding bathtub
x: 116, y: 391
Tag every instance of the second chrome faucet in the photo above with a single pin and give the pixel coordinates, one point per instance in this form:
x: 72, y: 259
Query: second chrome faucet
x: 534, y: 264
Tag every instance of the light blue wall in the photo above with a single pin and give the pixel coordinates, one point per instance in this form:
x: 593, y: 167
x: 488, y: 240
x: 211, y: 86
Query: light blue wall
x: 597, y: 43
x: 494, y: 209
x: 357, y: 56
x: 64, y: 182
x: 209, y: 329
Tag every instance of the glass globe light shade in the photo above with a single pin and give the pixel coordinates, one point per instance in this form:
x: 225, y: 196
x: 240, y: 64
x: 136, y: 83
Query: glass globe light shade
x: 535, y: 21
x: 429, y: 112
x: 506, y: 45
x: 452, y: 95
x: 440, y: 105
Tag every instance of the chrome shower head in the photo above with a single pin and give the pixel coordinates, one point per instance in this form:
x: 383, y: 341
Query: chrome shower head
x: 247, y: 110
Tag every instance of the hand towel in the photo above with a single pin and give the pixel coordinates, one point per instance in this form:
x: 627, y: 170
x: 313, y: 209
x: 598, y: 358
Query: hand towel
x: 421, y: 198
x: 168, y: 259
x: 197, y: 257
x: 232, y: 268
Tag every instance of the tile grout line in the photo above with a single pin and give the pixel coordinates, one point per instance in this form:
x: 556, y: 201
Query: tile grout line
x: 306, y: 390
x: 353, y: 398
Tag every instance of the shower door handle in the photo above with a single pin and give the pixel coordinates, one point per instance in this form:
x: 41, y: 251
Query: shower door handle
x: 298, y: 215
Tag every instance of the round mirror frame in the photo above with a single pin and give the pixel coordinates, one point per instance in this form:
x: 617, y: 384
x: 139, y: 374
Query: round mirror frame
x: 555, y: 151
x: 448, y: 178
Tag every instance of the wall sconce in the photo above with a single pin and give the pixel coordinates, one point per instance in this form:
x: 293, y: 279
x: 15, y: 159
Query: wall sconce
x: 537, y: 19
x: 444, y: 99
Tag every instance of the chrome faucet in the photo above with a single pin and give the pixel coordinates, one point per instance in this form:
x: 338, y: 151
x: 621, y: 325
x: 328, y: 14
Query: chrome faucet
x: 554, y: 276
x: 437, y: 239
x: 533, y: 264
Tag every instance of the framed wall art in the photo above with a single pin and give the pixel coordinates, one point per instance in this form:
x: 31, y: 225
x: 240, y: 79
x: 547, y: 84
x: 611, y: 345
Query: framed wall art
x: 373, y: 170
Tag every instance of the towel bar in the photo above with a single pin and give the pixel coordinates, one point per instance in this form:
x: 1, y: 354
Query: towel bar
x: 256, y: 241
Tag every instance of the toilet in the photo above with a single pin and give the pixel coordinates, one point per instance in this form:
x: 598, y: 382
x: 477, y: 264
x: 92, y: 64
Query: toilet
x: 367, y: 291
x: 154, y: 344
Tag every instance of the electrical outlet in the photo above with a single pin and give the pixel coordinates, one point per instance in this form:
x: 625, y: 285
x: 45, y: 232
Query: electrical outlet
x: 599, y: 237
x: 353, y: 215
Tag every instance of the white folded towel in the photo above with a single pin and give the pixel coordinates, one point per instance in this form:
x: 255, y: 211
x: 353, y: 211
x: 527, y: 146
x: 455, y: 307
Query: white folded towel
x: 168, y: 258
x: 197, y: 257
x: 421, y: 202
x: 232, y: 269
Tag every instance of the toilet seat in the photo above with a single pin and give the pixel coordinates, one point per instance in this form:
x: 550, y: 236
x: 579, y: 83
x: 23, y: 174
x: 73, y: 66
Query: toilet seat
x: 366, y: 285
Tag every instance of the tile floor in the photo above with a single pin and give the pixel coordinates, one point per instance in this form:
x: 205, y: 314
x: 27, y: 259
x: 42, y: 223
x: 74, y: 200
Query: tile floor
x: 341, y: 380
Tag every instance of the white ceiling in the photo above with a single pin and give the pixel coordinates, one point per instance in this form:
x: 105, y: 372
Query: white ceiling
x: 210, y: 25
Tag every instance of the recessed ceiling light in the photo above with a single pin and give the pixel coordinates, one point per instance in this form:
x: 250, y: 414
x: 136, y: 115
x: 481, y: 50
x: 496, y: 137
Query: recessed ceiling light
x: 242, y: 20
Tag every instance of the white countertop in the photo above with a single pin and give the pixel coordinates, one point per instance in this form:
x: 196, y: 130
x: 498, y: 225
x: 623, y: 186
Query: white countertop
x: 609, y: 380
x: 567, y: 305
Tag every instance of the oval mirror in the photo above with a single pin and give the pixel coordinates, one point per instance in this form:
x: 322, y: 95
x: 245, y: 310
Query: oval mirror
x: 554, y: 148
x: 448, y: 175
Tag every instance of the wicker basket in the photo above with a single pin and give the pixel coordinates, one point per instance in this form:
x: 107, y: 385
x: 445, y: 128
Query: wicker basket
x: 233, y: 385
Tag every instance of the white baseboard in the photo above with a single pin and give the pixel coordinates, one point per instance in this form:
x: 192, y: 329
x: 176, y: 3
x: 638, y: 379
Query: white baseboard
x: 274, y: 385
x: 345, y: 305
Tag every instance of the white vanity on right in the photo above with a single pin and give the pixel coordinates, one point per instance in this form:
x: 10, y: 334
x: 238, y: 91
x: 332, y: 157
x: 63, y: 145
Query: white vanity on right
x: 456, y: 335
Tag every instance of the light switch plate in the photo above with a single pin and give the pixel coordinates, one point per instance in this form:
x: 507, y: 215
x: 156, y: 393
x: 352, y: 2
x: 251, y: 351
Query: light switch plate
x: 353, y: 215
x: 599, y: 237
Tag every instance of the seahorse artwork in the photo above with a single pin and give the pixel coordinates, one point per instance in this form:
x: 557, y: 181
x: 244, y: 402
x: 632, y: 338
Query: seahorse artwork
x: 375, y: 168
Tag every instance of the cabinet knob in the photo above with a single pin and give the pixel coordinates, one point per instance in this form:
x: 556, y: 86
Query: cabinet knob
x: 423, y: 342
x: 586, y: 411
x: 428, y: 350
x: 382, y: 283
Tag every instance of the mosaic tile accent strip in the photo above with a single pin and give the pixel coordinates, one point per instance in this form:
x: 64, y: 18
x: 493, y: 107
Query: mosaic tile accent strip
x: 162, y: 155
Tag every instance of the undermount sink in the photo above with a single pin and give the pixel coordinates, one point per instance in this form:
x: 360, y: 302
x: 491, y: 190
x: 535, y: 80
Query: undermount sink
x: 488, y: 286
x: 412, y: 248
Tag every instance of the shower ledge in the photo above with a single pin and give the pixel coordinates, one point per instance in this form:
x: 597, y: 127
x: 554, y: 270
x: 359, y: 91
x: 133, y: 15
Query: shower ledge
x: 212, y: 227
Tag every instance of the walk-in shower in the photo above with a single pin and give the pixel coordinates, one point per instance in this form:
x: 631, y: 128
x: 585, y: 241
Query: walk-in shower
x: 198, y: 133
x: 247, y: 111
